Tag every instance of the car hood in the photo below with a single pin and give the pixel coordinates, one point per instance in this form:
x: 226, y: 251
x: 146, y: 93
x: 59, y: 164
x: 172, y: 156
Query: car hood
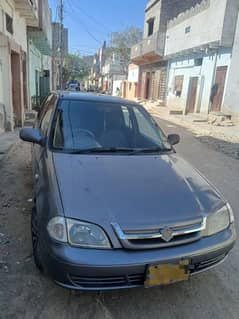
x: 133, y: 191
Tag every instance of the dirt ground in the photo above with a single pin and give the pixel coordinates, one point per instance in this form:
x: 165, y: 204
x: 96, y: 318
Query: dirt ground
x: 25, y: 293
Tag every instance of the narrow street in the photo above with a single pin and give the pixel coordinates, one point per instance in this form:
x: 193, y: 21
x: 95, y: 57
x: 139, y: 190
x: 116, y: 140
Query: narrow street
x: 24, y: 293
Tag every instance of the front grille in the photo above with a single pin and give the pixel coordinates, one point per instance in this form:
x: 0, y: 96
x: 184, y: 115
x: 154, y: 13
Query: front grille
x: 165, y: 236
x: 107, y: 282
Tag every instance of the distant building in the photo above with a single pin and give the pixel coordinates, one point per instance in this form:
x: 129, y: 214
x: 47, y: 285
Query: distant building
x: 95, y: 78
x: 56, y: 38
x: 130, y: 87
x: 203, y: 58
x: 149, y: 53
x: 113, y: 74
x: 230, y: 104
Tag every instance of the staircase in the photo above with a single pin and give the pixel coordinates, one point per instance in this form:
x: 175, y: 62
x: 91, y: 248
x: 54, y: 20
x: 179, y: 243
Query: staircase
x: 30, y: 118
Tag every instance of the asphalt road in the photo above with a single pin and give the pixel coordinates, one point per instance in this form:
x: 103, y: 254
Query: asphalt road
x: 24, y: 293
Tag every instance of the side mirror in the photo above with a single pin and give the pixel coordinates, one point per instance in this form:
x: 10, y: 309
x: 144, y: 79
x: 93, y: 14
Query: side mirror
x: 173, y: 139
x: 32, y: 135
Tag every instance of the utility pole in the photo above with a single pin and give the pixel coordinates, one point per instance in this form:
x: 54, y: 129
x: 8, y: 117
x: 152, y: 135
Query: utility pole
x: 61, y: 42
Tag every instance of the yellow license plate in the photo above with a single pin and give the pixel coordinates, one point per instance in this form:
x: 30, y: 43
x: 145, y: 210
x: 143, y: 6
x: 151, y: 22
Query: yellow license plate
x: 165, y: 274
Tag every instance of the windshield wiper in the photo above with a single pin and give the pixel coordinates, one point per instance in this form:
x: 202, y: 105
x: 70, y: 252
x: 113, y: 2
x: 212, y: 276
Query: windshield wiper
x: 98, y: 150
x: 150, y: 150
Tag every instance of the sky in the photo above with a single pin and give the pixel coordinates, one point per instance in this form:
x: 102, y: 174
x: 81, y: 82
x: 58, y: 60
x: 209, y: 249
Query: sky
x: 91, y: 22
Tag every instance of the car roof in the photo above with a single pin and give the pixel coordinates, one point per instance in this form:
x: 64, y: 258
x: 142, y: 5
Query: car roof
x: 91, y: 97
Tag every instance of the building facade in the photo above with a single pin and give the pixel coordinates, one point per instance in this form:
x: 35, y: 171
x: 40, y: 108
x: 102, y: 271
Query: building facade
x: 130, y: 87
x: 230, y: 103
x: 199, y: 55
x: 56, y: 41
x: 149, y: 54
x: 15, y: 16
x: 40, y: 56
x: 113, y: 75
x: 96, y: 73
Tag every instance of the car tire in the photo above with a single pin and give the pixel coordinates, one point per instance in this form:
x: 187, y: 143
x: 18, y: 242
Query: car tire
x: 35, y: 241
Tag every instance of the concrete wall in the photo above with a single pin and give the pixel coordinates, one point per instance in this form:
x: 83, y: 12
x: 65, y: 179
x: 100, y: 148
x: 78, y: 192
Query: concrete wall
x: 231, y: 101
x: 18, y: 41
x: 6, y: 114
x: 199, y: 19
x: 19, y: 24
x: 45, y: 20
x: 34, y: 64
x: 206, y: 23
x: 117, y: 84
x: 133, y: 73
x: 205, y: 73
x: 153, y: 12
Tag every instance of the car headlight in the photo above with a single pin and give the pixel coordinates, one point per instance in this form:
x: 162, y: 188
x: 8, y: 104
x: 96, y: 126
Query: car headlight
x: 219, y: 221
x: 78, y: 233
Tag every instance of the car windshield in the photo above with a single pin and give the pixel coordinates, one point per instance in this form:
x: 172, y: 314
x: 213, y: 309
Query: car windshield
x: 100, y: 127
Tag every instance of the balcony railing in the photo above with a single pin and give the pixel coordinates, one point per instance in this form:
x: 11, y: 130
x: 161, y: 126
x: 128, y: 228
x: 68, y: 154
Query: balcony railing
x: 150, y: 48
x: 28, y: 9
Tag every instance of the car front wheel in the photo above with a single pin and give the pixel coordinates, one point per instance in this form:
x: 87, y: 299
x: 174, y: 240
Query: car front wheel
x: 35, y: 241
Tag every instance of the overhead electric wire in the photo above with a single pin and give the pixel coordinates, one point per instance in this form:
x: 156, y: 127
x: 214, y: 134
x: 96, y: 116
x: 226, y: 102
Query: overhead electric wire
x: 81, y: 10
x: 83, y: 25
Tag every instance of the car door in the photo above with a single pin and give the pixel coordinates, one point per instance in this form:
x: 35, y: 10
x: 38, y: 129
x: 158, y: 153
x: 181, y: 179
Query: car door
x: 41, y: 154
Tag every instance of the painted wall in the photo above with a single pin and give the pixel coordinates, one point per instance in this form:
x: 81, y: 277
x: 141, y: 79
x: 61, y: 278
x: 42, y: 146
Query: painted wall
x: 35, y: 64
x: 5, y: 84
x: 231, y: 101
x: 154, y: 12
x: 19, y: 24
x: 202, y: 30
x: 205, y: 74
x: 19, y: 40
x: 133, y: 73
x: 117, y: 84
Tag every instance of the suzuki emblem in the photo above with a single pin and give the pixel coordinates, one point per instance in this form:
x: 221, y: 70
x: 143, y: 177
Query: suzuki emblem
x: 167, y: 234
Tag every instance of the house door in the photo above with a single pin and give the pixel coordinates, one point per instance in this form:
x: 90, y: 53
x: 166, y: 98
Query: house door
x: 192, y: 94
x: 147, y: 86
x: 44, y: 85
x: 218, y: 89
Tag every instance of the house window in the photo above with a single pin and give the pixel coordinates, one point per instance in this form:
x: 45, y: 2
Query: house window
x: 9, y: 23
x: 150, y: 26
x: 188, y: 29
x: 178, y: 85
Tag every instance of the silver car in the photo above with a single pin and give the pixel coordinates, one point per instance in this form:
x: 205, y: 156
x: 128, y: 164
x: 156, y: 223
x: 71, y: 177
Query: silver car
x: 115, y: 206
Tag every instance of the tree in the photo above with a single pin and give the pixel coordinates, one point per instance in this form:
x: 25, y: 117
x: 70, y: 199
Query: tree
x: 122, y: 43
x: 74, y: 68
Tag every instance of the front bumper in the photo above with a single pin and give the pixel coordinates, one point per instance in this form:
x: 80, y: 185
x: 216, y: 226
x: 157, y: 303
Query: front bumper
x: 87, y: 269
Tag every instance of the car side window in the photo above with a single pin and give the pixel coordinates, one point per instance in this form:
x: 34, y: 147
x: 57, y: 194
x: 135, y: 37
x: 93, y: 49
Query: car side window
x: 46, y: 118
